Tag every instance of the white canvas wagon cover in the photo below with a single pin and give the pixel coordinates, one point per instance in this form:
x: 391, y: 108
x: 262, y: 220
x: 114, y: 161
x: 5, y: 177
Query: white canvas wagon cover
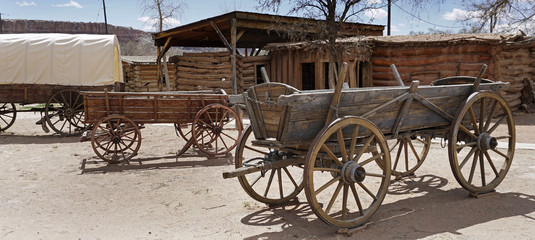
x: 63, y: 59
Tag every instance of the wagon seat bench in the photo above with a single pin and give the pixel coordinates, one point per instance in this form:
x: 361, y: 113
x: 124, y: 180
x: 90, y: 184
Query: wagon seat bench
x: 344, y: 164
x: 203, y: 119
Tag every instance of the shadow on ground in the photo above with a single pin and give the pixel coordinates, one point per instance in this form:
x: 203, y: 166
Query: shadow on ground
x: 426, y: 211
x: 95, y: 165
x: 6, y: 138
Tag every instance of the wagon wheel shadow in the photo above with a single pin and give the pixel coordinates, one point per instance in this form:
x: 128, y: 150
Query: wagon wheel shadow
x: 416, y: 184
x: 95, y: 165
x: 426, y: 211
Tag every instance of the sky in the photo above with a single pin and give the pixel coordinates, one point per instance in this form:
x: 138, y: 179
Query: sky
x: 129, y: 13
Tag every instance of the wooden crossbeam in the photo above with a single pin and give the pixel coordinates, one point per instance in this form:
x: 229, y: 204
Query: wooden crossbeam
x: 218, y: 31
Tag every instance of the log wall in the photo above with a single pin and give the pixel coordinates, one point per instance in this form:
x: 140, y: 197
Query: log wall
x: 428, y: 61
x: 212, y: 70
x: 203, y: 71
x: 515, y: 65
x: 286, y: 66
x: 138, y: 74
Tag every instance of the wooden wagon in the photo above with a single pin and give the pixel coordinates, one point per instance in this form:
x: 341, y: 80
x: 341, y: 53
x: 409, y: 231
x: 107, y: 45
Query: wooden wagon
x: 51, y: 70
x: 345, y: 164
x: 202, y: 118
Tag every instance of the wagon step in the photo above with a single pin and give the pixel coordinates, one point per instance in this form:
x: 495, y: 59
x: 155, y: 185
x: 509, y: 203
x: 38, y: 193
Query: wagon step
x: 264, y: 166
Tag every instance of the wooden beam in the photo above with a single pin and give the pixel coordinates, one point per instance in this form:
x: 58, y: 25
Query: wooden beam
x: 240, y: 34
x: 229, y: 47
x: 165, y: 48
x: 404, y: 108
x: 162, y: 53
x: 233, y: 40
x: 265, y: 75
x: 337, y: 94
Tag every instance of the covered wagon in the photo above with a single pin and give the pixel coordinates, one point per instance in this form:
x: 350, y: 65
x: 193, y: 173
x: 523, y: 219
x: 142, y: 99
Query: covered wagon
x: 51, y: 69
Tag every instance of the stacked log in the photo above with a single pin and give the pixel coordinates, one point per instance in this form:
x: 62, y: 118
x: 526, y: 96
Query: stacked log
x: 511, y: 61
x: 143, y: 77
x: 203, y: 71
x: 246, y: 71
x: 213, y: 70
x: 427, y: 62
x: 516, y: 65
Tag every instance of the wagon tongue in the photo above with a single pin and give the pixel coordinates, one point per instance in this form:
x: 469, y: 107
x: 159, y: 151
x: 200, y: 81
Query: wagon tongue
x: 42, y: 122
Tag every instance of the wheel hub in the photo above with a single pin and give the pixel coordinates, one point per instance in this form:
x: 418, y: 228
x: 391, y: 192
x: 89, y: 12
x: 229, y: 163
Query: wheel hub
x: 217, y: 130
x: 486, y: 142
x: 69, y: 112
x: 352, y: 172
x: 116, y: 139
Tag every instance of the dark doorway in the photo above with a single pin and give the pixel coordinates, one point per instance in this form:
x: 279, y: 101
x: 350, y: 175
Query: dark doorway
x: 358, y: 71
x: 308, y: 78
x: 259, y: 78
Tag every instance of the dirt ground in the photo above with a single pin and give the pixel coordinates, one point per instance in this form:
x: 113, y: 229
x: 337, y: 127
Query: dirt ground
x: 54, y: 187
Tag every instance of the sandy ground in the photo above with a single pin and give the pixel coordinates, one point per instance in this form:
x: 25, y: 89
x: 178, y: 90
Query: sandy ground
x: 55, y: 187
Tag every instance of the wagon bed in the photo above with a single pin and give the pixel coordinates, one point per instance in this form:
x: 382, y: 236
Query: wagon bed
x: 335, y: 143
x: 202, y: 118
x: 394, y: 110
x: 150, y: 107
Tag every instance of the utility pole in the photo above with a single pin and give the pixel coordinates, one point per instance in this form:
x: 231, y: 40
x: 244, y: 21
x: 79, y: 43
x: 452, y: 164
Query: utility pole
x: 389, y: 17
x: 1, y: 24
x: 105, y: 19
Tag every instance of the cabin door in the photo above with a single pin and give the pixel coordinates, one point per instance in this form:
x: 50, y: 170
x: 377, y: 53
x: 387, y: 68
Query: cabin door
x: 308, y: 76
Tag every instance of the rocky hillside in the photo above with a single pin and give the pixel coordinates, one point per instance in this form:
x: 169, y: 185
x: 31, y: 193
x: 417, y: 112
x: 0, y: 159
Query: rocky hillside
x: 125, y: 35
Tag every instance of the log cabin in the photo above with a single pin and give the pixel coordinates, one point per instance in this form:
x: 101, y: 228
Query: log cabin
x: 252, y: 43
x: 510, y: 58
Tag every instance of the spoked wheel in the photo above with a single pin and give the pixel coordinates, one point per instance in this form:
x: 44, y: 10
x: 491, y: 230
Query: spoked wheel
x: 116, y: 139
x: 275, y: 186
x: 8, y: 114
x: 183, y: 130
x: 481, y: 147
x: 64, y: 111
x: 216, y: 129
x: 347, y: 172
x: 410, y: 153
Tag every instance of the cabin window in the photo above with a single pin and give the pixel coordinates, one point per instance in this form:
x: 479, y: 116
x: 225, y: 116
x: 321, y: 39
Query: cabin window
x: 308, y: 78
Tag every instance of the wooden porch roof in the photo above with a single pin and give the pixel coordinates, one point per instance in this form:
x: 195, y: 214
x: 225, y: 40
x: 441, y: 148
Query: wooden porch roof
x: 254, y: 30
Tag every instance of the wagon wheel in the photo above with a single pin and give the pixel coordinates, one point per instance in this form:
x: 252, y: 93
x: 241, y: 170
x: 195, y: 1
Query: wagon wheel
x: 8, y: 114
x: 264, y: 186
x: 213, y: 129
x: 345, y: 180
x: 475, y: 159
x: 183, y: 130
x: 115, y: 139
x: 410, y: 153
x: 64, y: 111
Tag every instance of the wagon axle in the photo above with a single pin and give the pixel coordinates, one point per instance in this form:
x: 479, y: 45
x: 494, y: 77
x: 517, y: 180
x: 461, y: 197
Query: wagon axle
x: 486, y: 142
x: 352, y: 172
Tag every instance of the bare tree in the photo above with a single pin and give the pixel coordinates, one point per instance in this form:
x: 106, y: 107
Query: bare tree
x: 333, y: 12
x: 162, y: 11
x: 502, y: 15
